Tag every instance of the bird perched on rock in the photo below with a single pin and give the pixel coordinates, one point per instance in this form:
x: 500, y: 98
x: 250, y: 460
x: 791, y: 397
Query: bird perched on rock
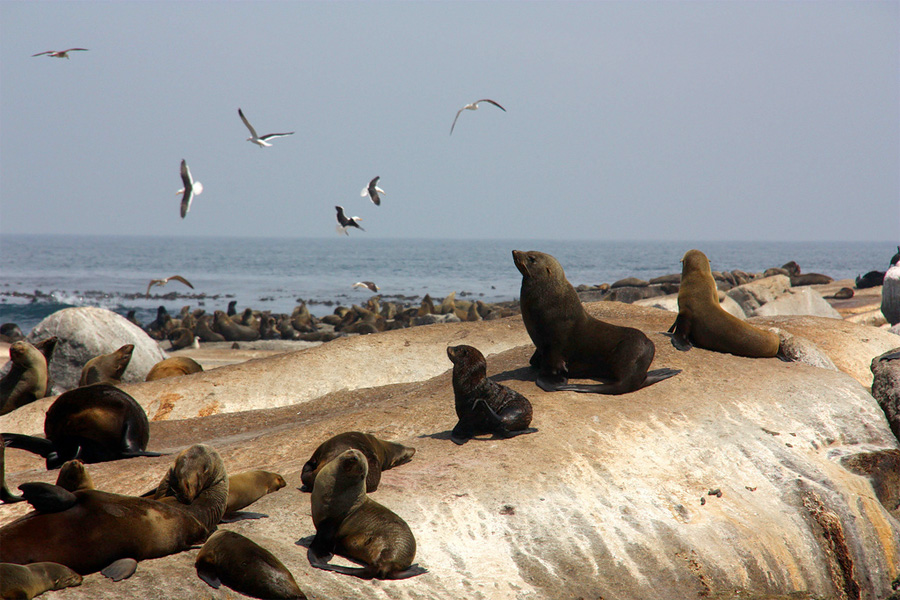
x: 890, y: 291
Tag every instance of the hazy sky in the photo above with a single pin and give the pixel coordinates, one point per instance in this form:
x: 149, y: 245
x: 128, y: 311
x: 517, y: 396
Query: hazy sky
x: 625, y: 120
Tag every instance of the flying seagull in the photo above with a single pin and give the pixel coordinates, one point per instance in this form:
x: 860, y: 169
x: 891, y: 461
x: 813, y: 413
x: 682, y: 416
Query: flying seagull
x: 366, y: 284
x: 190, y: 188
x: 473, y: 106
x: 260, y: 140
x: 372, y: 190
x: 162, y: 282
x: 344, y: 222
x: 59, y: 53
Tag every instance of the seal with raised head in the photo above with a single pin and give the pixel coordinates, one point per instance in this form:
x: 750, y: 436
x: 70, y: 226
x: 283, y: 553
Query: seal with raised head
x: 24, y: 582
x: 702, y: 322
x: 73, y: 476
x: 173, y: 367
x: 571, y: 343
x: 482, y: 404
x: 95, y: 423
x: 380, y: 455
x: 26, y: 380
x: 351, y: 524
x: 107, y: 368
x: 246, y: 567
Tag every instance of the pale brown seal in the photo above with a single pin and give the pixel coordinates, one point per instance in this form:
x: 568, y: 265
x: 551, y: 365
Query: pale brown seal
x: 107, y: 368
x: 381, y: 455
x: 246, y: 488
x: 24, y: 582
x: 26, y: 380
x: 173, y: 367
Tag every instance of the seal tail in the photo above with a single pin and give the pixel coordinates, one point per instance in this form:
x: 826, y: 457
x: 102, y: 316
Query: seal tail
x: 29, y: 443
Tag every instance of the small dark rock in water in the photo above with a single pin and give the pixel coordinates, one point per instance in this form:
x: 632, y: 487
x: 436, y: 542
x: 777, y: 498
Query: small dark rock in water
x: 843, y: 294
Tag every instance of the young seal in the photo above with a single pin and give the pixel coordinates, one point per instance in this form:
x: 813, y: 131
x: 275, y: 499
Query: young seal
x: 246, y: 488
x: 704, y: 323
x: 245, y: 567
x: 107, y: 368
x: 483, y: 405
x: 6, y: 496
x: 73, y: 477
x: 351, y: 524
x: 570, y: 342
x: 24, y: 582
x: 380, y: 455
x: 95, y: 423
x: 173, y: 367
x: 26, y: 380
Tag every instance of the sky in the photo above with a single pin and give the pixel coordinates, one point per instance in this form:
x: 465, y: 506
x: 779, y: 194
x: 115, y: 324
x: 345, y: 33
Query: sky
x: 632, y: 120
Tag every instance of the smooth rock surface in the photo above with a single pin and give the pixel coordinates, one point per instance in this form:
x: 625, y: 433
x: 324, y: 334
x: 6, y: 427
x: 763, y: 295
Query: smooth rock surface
x: 757, y: 293
x: 670, y: 303
x: 798, y: 301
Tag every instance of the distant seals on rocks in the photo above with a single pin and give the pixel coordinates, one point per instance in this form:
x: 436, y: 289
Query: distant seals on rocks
x: 26, y: 380
x: 703, y: 322
x: 234, y: 332
x: 173, y: 367
x: 351, y: 524
x: 24, y: 582
x: 380, y: 455
x: 107, y: 368
x: 95, y: 423
x: 246, y: 567
x: 570, y: 342
x: 482, y: 404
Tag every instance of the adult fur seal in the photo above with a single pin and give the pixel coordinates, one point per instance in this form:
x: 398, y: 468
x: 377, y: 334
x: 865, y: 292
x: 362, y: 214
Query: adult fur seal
x: 95, y: 423
x: 380, y: 455
x: 483, y: 405
x: 26, y: 380
x: 353, y: 525
x: 233, y: 331
x: 107, y: 368
x: 570, y: 342
x: 704, y: 323
x: 246, y: 567
x: 197, y: 481
x: 173, y: 367
x: 24, y: 582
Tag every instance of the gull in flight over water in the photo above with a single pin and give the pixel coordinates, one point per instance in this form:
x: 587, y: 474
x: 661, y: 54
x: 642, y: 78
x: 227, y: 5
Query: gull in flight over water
x: 59, y: 53
x: 344, y: 222
x: 372, y: 190
x: 190, y: 188
x: 366, y: 284
x: 162, y: 282
x: 260, y: 140
x: 473, y: 106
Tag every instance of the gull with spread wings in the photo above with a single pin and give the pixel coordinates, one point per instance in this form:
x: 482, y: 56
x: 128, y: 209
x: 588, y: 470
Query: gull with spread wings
x: 473, y: 106
x: 162, y: 282
x: 59, y: 53
x: 190, y: 188
x: 257, y: 139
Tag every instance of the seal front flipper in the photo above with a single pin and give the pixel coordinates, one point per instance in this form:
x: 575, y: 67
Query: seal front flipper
x: 120, y: 569
x: 242, y: 515
x: 552, y: 383
x: 208, y: 574
x: 321, y: 549
x: 47, y: 498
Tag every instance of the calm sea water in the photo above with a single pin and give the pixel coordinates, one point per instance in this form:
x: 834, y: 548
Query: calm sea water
x: 42, y: 274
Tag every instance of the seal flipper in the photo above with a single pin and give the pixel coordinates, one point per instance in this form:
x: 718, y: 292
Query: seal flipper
x: 208, y: 574
x: 47, y: 498
x: 411, y: 571
x: 679, y: 333
x: 131, y: 446
x: 461, y: 434
x: 552, y: 383
x: 658, y: 375
x: 321, y: 550
x: 40, y: 446
x: 120, y: 569
x: 242, y: 515
x: 620, y: 387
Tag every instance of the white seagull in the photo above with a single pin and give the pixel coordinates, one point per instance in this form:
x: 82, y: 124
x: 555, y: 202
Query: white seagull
x: 190, y: 189
x: 344, y: 222
x: 473, y: 106
x: 260, y: 140
x: 59, y: 53
x: 366, y: 284
x: 372, y: 190
x: 162, y: 282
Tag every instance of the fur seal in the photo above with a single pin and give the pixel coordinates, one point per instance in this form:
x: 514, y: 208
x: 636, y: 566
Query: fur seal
x: 10, y: 333
x: 73, y: 476
x: 197, y: 481
x: 246, y: 488
x: 6, y: 496
x: 26, y: 380
x: 232, y: 331
x: 482, y: 404
x: 95, y: 423
x: 173, y: 367
x: 24, y: 582
x: 704, y: 323
x: 353, y: 525
x: 246, y: 567
x: 107, y: 368
x: 570, y: 342
x: 380, y: 455
x: 47, y: 347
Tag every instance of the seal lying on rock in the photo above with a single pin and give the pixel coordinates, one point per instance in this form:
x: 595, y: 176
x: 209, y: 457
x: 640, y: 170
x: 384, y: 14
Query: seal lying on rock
x: 570, y: 342
x: 173, y: 367
x: 380, y: 455
x: 483, y: 405
x: 107, y: 368
x: 26, y: 380
x: 24, y: 582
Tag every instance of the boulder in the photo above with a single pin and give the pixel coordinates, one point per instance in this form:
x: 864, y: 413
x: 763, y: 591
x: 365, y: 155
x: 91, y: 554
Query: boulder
x: 886, y: 387
x: 756, y: 293
x: 670, y: 303
x: 798, y: 301
x: 890, y: 295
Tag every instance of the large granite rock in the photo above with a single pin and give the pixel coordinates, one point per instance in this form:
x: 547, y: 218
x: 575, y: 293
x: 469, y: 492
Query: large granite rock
x: 86, y: 332
x: 670, y: 303
x: 798, y: 301
x: 890, y: 295
x: 757, y: 293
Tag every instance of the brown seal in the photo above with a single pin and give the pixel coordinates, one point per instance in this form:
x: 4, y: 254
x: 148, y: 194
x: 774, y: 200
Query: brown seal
x: 26, y: 380
x: 173, y: 367
x: 73, y: 476
x: 233, y: 331
x: 380, y: 454
x: 6, y: 496
x: 704, y: 323
x: 351, y: 524
x: 107, y: 368
x: 482, y: 404
x: 24, y: 582
x: 570, y: 342
x: 246, y: 567
x: 95, y: 423
x: 246, y: 488
x: 197, y: 482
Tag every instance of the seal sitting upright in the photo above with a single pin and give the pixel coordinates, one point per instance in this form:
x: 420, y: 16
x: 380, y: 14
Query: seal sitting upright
x: 482, y: 404
x: 570, y: 342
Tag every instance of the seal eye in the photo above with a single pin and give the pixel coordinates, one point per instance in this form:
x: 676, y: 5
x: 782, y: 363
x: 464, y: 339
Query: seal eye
x: 531, y: 259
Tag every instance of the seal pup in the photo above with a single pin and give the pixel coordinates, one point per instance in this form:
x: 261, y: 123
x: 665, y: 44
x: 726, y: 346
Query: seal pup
x: 260, y: 140
x: 94, y: 423
x: 10, y: 332
x: 473, y: 106
x: 570, y: 342
x: 197, y: 481
x: 107, y: 368
x: 174, y: 366
x: 482, y: 404
x: 351, y: 524
x: 380, y: 455
x: 73, y: 476
x: 344, y: 222
x: 6, y: 496
x: 372, y: 190
x: 244, y: 566
x: 24, y: 582
x: 702, y: 322
x: 27, y: 378
x: 246, y: 488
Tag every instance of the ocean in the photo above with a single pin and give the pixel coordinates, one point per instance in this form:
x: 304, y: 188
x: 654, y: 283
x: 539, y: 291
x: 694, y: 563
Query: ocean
x: 43, y: 274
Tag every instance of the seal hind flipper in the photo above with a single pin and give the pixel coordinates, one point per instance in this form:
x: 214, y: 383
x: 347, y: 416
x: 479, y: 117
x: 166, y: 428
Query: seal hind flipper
x: 242, y: 515
x: 47, y: 498
x: 619, y: 387
x: 120, y: 569
x: 679, y: 333
x: 657, y: 375
x: 412, y: 571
